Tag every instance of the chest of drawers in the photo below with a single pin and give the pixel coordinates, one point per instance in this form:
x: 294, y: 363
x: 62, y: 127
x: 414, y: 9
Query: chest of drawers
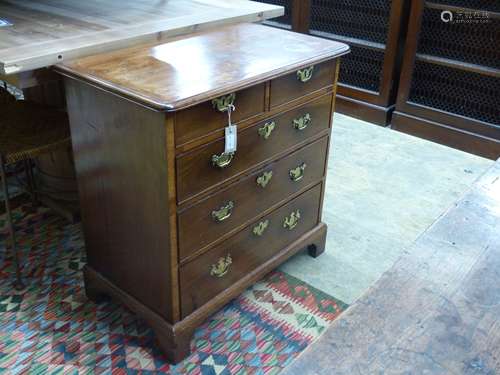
x: 174, y: 227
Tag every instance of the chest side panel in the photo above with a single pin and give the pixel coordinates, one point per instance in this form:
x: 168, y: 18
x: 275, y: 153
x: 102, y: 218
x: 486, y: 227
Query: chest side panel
x: 121, y: 161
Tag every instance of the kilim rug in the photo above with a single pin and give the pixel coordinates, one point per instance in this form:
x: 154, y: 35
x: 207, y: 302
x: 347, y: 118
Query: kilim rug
x: 52, y: 328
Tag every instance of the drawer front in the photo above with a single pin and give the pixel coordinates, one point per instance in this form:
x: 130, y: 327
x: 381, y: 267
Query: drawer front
x: 219, y: 268
x: 302, y: 82
x: 196, y: 171
x: 202, y: 119
x: 228, y: 209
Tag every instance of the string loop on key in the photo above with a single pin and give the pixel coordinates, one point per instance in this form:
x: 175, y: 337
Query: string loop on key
x: 230, y: 108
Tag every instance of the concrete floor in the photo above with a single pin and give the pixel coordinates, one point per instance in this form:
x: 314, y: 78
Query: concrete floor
x: 384, y: 188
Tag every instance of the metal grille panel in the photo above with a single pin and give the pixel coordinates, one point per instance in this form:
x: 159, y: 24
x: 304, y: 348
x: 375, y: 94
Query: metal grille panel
x: 362, y: 68
x: 460, y: 92
x: 286, y: 19
x: 490, y: 5
x: 476, y: 43
x: 361, y: 19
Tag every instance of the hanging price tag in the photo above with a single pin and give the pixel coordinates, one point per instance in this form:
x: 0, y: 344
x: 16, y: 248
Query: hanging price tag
x: 231, y: 139
x: 231, y: 132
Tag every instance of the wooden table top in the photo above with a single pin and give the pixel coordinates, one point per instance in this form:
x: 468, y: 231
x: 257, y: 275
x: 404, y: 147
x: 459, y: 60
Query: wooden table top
x: 41, y: 33
x: 436, y: 311
x: 194, y: 68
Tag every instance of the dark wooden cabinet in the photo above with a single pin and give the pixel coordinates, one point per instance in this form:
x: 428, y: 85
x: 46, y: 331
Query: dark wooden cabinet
x: 174, y: 226
x: 375, y: 31
x: 450, y: 83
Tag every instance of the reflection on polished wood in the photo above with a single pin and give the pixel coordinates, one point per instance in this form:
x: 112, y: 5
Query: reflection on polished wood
x: 46, y: 32
x: 187, y: 71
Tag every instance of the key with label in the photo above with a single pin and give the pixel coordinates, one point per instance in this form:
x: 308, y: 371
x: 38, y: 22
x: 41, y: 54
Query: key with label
x: 231, y: 133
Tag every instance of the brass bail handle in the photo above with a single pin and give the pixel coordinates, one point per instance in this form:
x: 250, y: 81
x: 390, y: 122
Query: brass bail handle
x: 291, y: 221
x: 297, y: 173
x: 260, y: 228
x: 223, y: 102
x: 301, y: 123
x: 266, y: 130
x: 224, y: 212
x: 224, y: 159
x: 304, y: 75
x: 221, y: 267
x: 264, y: 179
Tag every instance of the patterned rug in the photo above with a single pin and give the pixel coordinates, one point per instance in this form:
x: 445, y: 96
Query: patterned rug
x: 52, y: 328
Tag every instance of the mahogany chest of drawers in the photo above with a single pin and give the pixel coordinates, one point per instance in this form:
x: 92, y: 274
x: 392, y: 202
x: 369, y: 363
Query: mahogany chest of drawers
x: 174, y: 226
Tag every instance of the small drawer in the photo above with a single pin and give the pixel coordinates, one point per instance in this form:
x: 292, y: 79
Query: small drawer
x: 228, y: 209
x: 193, y: 123
x: 218, y: 269
x: 206, y: 167
x: 302, y: 82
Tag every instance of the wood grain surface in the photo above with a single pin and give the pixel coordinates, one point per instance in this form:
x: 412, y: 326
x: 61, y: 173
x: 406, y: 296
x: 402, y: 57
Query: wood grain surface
x: 125, y: 211
x: 196, y: 122
x: 196, y: 174
x: 195, y: 68
x: 436, y: 311
x: 247, y: 251
x: 250, y: 199
x: 46, y: 32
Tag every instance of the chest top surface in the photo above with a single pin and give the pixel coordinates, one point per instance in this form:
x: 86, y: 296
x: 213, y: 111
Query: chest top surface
x: 188, y: 70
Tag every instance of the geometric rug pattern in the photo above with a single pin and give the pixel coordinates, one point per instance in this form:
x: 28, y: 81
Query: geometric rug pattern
x: 51, y: 327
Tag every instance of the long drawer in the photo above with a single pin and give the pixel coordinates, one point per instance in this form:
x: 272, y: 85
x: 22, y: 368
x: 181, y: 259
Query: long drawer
x: 222, y: 266
x: 227, y: 209
x: 193, y: 123
x: 207, y: 167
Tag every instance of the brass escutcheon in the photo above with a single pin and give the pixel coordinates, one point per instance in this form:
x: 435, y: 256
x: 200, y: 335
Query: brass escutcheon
x: 264, y: 178
x: 222, y: 103
x: 266, y: 130
x: 224, y: 212
x: 304, y: 75
x: 260, y: 228
x: 221, y: 268
x: 291, y: 221
x: 302, y: 122
x: 296, y: 174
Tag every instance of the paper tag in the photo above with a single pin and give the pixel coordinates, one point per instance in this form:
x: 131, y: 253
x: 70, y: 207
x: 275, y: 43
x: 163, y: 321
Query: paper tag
x: 231, y: 139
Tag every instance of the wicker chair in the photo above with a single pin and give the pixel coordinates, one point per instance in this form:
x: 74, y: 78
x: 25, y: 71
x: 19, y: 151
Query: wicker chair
x: 27, y: 130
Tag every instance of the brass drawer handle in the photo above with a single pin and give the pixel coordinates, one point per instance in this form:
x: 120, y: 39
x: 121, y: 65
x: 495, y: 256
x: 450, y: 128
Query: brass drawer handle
x: 264, y: 178
x: 222, y: 103
x: 296, y: 174
x: 302, y: 122
x: 222, y: 160
x: 224, y: 212
x: 291, y: 221
x: 304, y: 75
x: 260, y: 228
x: 267, y: 129
x: 221, y: 268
